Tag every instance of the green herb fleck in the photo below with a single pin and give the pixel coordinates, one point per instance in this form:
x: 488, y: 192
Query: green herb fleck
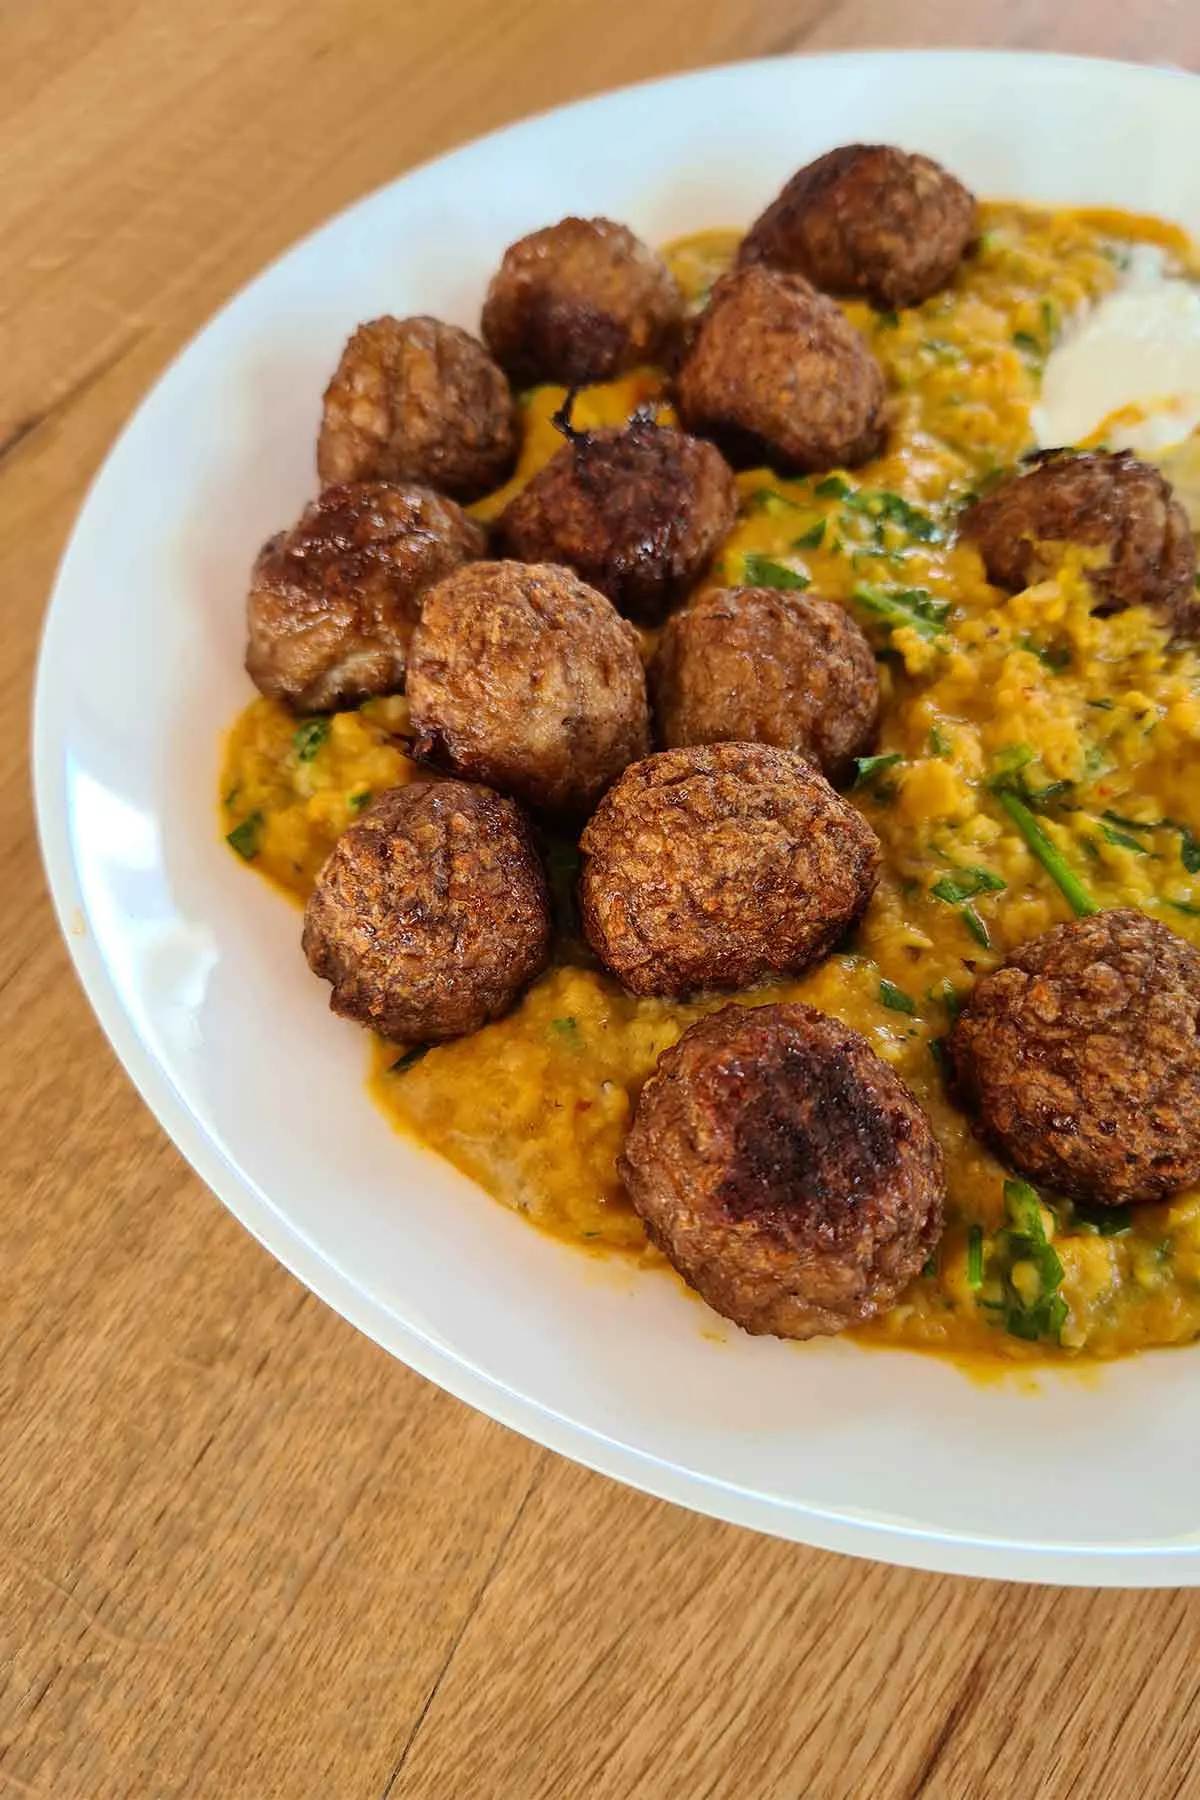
x: 810, y: 539
x: 566, y: 1028
x: 939, y: 743
x: 1024, y: 1241
x: 898, y: 607
x: 308, y: 737
x: 1102, y: 705
x: 975, y: 1257
x: 888, y: 321
x: 1102, y: 1221
x: 895, y: 510
x: 975, y: 926
x: 832, y: 488
x: 360, y: 799
x: 246, y: 838
x: 867, y: 769
x: 770, y: 500
x: 764, y: 571
x: 896, y: 998
x: 409, y: 1059
x: 1122, y: 840
x: 1055, y: 657
x: 937, y: 1049
x: 1025, y: 340
x: 964, y: 884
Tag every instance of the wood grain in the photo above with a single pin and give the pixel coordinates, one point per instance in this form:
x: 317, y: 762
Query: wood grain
x: 242, y: 1553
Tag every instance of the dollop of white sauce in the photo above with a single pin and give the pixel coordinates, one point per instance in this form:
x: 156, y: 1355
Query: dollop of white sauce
x: 1138, y: 349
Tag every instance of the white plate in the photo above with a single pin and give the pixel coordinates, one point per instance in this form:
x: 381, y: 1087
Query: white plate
x: 194, y: 967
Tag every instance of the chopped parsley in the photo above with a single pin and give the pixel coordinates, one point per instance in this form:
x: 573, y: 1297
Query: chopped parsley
x: 867, y: 769
x: 308, y: 737
x: 1122, y: 840
x: 975, y: 926
x: 975, y: 1257
x: 770, y: 500
x: 810, y: 539
x: 939, y: 743
x: 764, y: 571
x: 896, y: 999
x: 567, y: 1029
x: 834, y: 487
x: 359, y: 800
x: 900, y: 607
x: 246, y: 838
x: 964, y: 884
x: 1029, y: 1270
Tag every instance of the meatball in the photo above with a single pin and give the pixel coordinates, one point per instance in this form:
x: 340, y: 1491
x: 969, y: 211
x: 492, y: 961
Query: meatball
x: 777, y: 375
x: 762, y: 666
x: 333, y: 601
x: 720, y: 865
x: 785, y: 1170
x: 867, y: 219
x: 522, y: 676
x: 637, y: 512
x: 431, y: 913
x: 1079, y: 1059
x: 583, y: 300
x: 1104, y: 501
x: 416, y: 400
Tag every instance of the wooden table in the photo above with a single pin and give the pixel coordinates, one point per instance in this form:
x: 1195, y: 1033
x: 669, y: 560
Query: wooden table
x: 242, y: 1553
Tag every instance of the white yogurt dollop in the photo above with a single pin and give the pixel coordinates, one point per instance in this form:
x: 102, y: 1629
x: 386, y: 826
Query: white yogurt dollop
x: 1135, y: 354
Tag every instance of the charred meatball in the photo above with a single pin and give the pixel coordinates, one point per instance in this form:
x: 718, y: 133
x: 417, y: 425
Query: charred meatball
x: 522, y: 676
x: 583, y: 300
x: 333, y: 601
x: 637, y: 512
x: 416, y: 400
x: 1103, y: 501
x: 777, y: 375
x: 785, y: 1171
x: 1079, y: 1059
x: 431, y: 914
x: 762, y: 666
x: 868, y: 219
x: 720, y: 865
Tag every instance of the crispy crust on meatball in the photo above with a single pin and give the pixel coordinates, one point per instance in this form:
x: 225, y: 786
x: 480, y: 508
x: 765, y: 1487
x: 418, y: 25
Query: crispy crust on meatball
x: 720, y: 865
x: 333, y: 602
x: 583, y: 300
x: 638, y: 512
x: 1104, y: 501
x: 1079, y: 1059
x: 758, y: 665
x: 431, y: 914
x: 418, y: 400
x: 785, y: 1170
x: 868, y: 219
x: 522, y: 676
x: 776, y: 374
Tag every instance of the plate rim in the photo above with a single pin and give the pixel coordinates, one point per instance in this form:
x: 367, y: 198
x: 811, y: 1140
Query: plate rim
x: 936, y: 1549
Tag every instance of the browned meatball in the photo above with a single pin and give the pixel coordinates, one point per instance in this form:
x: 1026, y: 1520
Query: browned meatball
x: 637, y: 512
x: 1080, y: 1059
x: 720, y: 865
x: 1104, y: 501
x: 416, y: 400
x: 522, y: 676
x: 333, y: 601
x: 431, y: 914
x: 762, y: 666
x: 785, y: 1170
x: 777, y: 375
x: 583, y: 300
x: 868, y: 219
